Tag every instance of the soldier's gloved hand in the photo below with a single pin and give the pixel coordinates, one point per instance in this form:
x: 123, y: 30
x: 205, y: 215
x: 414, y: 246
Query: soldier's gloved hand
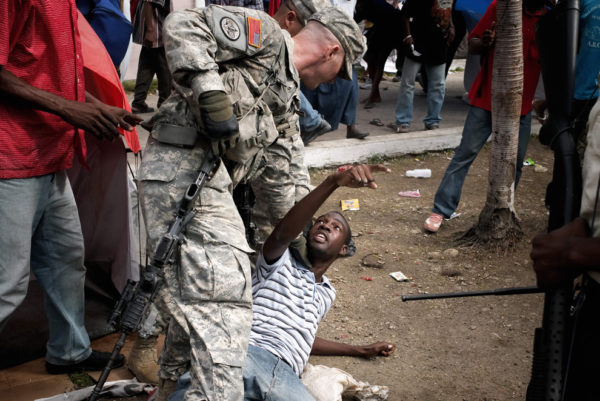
x: 218, y: 120
x: 220, y: 147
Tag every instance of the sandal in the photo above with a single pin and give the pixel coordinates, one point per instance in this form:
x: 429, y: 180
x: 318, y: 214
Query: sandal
x: 376, y: 122
x: 399, y: 128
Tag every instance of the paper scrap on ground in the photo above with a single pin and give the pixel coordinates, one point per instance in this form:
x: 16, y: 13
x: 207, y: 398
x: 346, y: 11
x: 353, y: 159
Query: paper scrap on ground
x: 399, y: 276
x: 410, y: 194
x: 350, y: 204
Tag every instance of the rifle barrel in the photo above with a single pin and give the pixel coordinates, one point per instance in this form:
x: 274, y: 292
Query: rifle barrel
x: 498, y: 291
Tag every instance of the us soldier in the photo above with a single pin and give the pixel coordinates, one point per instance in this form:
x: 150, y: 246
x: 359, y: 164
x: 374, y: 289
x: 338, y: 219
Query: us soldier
x: 285, y: 179
x: 283, y: 183
x: 237, y: 74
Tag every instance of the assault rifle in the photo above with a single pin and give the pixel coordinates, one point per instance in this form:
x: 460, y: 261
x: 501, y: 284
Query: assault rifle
x: 131, y: 307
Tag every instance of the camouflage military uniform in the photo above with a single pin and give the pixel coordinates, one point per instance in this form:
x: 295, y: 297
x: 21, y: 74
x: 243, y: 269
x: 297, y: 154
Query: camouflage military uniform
x: 285, y: 180
x: 208, y: 289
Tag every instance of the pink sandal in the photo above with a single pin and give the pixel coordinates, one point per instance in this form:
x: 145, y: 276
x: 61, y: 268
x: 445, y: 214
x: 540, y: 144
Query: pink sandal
x: 433, y: 222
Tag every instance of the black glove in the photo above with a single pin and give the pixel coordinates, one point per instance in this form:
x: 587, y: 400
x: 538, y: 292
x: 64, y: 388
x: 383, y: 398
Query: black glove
x: 218, y: 120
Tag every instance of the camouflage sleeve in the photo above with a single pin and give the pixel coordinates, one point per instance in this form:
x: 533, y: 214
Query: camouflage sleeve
x: 198, y: 41
x: 191, y: 49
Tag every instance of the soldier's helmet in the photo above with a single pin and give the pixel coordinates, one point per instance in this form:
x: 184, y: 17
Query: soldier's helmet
x: 306, y: 8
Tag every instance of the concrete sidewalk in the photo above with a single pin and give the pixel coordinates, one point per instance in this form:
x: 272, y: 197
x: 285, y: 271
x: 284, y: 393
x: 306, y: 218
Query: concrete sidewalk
x: 333, y: 148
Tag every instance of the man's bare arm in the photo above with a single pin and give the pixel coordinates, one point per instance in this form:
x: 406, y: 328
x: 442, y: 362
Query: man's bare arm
x: 93, y: 116
x: 332, y: 348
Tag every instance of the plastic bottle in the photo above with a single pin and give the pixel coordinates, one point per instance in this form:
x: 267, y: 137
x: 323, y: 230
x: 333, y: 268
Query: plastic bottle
x: 419, y: 173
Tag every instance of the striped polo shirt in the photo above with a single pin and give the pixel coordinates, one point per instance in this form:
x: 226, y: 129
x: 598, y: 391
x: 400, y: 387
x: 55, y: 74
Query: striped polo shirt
x: 287, y: 307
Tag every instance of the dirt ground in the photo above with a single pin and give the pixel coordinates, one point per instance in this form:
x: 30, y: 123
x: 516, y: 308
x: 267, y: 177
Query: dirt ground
x: 457, y: 349
x: 453, y: 349
x: 462, y: 349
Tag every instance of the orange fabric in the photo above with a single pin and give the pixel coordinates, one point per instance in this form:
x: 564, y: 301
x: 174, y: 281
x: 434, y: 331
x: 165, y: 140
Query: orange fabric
x: 101, y: 78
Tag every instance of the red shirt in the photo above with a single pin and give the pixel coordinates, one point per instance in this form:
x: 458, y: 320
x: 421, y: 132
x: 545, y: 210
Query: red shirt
x: 39, y: 43
x: 480, y: 93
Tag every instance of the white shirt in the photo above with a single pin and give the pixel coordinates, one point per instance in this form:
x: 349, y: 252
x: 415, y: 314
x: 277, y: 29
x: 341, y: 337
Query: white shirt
x: 288, y: 306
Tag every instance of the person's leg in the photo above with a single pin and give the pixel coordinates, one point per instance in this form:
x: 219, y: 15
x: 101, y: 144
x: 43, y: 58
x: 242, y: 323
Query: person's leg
x: 19, y: 214
x: 404, y: 102
x: 436, y: 90
x: 312, y: 125
x: 145, y: 73
x: 163, y: 76
x: 309, y: 117
x: 524, y: 135
x: 349, y: 111
x: 57, y: 262
x: 174, y: 360
x: 478, y: 127
x: 267, y: 377
x: 274, y: 189
x: 218, y: 350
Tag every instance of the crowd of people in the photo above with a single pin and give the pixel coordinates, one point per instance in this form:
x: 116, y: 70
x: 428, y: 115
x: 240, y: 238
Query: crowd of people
x: 243, y: 92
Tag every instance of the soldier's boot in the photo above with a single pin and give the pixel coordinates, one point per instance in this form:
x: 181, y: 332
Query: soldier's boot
x: 165, y: 389
x: 143, y: 360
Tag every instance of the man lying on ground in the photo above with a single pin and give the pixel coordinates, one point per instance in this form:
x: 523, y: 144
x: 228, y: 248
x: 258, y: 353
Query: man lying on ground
x: 291, y: 295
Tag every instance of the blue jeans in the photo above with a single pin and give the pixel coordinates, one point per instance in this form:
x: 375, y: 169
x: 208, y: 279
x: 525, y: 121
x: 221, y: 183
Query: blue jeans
x: 40, y: 230
x: 309, y: 117
x: 478, y: 128
x: 337, y: 102
x: 266, y: 377
x: 436, y: 90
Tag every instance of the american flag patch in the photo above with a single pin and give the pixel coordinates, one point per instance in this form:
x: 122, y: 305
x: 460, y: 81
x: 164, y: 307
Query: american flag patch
x: 253, y: 32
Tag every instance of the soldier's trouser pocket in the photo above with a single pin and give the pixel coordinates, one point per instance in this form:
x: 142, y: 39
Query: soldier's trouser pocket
x: 213, y: 271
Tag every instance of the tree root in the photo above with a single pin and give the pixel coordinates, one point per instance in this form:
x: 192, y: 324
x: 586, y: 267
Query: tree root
x: 498, y: 229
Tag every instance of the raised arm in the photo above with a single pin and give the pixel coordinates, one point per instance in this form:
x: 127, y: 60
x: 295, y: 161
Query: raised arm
x: 294, y: 221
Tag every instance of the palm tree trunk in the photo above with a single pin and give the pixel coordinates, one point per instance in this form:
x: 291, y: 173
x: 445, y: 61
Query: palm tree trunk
x: 498, y: 221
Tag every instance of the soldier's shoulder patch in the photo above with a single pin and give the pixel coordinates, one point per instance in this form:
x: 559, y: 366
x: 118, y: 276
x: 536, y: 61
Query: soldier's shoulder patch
x: 254, y: 32
x: 229, y: 28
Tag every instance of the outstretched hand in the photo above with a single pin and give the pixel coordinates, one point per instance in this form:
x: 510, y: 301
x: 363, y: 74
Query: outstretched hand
x: 358, y: 176
x: 101, y: 120
x: 381, y: 348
